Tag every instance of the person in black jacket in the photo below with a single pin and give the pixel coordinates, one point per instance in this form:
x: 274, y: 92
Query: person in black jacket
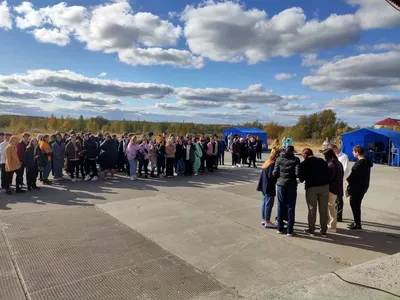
x: 358, y: 180
x: 286, y: 171
x: 32, y: 160
x: 179, y: 154
x: 242, y: 152
x: 90, y: 153
x: 314, y: 172
x: 259, y: 148
x: 252, y: 146
x: 267, y: 185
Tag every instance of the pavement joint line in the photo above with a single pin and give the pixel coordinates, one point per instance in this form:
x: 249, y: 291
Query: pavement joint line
x: 101, y: 274
x: 15, y: 264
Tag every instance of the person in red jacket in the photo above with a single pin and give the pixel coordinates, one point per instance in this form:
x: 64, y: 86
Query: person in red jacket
x: 21, y: 149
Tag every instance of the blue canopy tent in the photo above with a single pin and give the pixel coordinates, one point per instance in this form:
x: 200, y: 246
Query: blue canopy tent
x: 244, y: 132
x: 367, y: 138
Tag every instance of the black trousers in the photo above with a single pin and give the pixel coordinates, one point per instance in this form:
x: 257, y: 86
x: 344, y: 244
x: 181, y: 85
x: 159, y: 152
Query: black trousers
x: 73, y: 168
x: 188, y: 167
x: 4, y: 178
x: 203, y: 163
x: 160, y: 165
x: 234, y: 159
x: 355, y: 204
x: 20, y: 177
x: 170, y: 166
x: 8, y: 182
x: 81, y: 166
x: 210, y: 163
x: 221, y: 158
x: 252, y: 158
x: 90, y: 166
x: 31, y: 175
x: 259, y: 154
x: 143, y: 164
x: 242, y: 159
x: 339, y: 207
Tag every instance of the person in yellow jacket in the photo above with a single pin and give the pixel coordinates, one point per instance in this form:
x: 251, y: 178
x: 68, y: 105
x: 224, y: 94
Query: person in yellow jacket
x: 13, y: 164
x: 46, y: 152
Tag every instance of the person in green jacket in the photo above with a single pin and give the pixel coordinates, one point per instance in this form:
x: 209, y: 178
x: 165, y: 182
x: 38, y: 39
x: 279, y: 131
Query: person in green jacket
x: 197, y: 157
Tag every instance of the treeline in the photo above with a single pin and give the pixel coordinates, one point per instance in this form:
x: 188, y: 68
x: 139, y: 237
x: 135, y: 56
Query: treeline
x: 316, y: 126
x: 19, y: 124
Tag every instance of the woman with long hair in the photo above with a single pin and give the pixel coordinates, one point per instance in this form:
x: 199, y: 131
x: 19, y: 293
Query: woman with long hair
x: 266, y: 185
x: 32, y: 160
x: 276, y: 145
x: 131, y: 154
x: 335, y: 186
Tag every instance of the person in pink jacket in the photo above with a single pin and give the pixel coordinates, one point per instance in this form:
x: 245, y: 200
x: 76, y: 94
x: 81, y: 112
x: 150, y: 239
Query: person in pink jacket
x: 131, y: 154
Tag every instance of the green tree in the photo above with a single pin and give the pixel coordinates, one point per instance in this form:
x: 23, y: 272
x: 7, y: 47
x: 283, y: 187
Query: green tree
x: 80, y: 123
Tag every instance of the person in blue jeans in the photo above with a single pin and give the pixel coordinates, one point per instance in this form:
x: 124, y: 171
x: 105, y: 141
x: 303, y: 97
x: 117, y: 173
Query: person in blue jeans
x: 286, y: 171
x: 267, y: 185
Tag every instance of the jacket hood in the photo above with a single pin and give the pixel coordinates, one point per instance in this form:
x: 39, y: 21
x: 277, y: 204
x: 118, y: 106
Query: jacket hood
x: 366, y: 162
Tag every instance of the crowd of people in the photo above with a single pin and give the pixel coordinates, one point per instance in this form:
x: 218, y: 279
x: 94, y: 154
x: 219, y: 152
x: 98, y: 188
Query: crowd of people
x: 324, y: 185
x: 81, y: 155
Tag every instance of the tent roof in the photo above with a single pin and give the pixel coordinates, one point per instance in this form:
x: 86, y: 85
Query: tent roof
x: 388, y: 122
x: 246, y: 130
x: 393, y: 135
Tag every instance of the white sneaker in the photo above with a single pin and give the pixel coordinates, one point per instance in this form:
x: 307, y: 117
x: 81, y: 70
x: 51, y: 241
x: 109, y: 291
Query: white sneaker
x: 88, y: 178
x: 132, y: 177
x: 73, y: 179
x: 95, y: 178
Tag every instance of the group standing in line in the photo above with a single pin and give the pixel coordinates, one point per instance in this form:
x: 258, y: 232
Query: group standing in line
x: 324, y: 180
x: 81, y: 155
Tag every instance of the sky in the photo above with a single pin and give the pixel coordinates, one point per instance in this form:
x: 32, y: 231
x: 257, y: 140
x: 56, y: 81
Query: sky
x: 209, y: 61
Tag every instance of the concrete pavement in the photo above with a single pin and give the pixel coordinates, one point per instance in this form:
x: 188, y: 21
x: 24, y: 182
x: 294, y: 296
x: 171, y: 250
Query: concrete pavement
x: 181, y: 238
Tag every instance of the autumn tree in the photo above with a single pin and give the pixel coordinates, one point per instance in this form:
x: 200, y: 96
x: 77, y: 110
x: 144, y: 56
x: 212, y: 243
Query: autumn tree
x: 52, y: 122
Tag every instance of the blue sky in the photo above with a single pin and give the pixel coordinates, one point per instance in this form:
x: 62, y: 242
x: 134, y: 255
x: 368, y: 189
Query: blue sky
x: 205, y: 61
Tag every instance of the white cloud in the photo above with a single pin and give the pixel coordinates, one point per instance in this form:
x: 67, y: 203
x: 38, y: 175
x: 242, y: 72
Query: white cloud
x: 71, y: 81
x: 311, y: 60
x: 225, y: 31
x: 52, y: 36
x: 250, y: 95
x: 362, y: 72
x: 284, y: 76
x: 113, y: 27
x: 394, y: 47
x: 376, y: 101
x: 102, y: 74
x: 5, y: 16
x: 95, y: 101
x: 374, y: 14
x: 20, y: 94
x: 358, y: 107
x: 154, y: 56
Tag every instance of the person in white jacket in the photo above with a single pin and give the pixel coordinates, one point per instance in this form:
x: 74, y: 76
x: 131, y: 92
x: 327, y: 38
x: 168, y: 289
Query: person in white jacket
x: 344, y: 160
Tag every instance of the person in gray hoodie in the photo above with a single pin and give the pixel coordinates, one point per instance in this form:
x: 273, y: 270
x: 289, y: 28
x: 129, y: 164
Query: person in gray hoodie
x: 58, y: 150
